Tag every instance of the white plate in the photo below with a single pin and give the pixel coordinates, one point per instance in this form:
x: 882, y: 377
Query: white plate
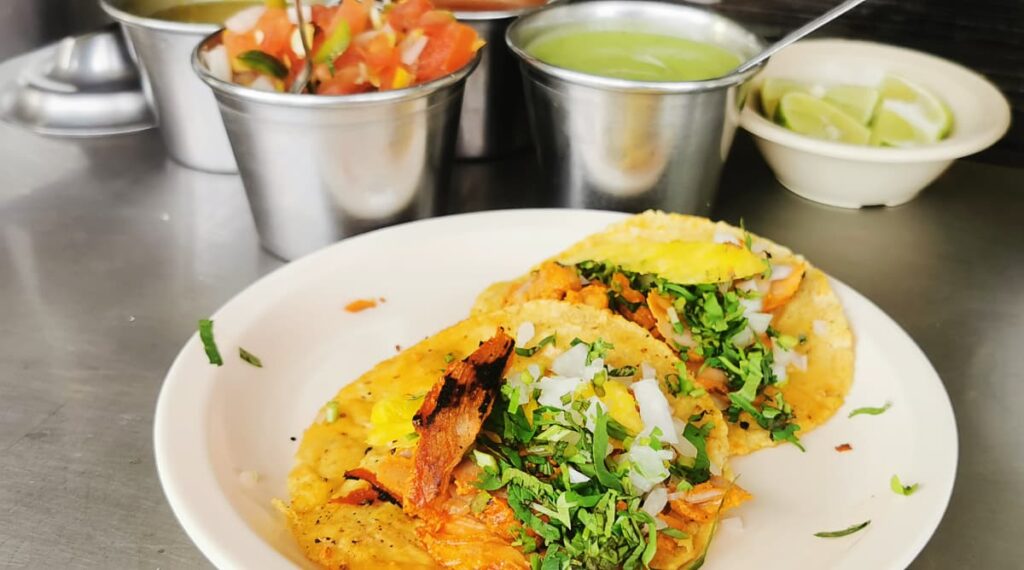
x: 212, y: 423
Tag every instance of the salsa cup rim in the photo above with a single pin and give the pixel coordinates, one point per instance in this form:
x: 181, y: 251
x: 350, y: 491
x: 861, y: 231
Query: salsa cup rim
x: 315, y: 101
x: 627, y: 85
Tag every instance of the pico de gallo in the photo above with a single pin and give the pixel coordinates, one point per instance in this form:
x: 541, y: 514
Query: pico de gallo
x: 357, y: 46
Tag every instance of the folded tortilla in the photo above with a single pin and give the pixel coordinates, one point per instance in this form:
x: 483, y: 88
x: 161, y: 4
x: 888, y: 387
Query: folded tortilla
x: 693, y: 250
x: 365, y: 420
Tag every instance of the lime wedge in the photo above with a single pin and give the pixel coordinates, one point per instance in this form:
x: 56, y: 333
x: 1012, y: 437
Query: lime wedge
x: 914, y: 105
x: 772, y: 91
x: 808, y: 115
x: 854, y: 100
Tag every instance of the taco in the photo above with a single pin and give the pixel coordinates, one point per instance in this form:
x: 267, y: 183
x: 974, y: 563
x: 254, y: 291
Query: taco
x: 533, y: 435
x: 759, y: 327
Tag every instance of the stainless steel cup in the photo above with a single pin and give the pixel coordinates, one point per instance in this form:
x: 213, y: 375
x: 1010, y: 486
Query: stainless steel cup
x: 184, y: 107
x: 493, y: 119
x: 629, y: 145
x: 317, y: 168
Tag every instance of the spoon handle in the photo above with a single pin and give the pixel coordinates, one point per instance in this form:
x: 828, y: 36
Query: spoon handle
x: 799, y: 33
x: 302, y: 80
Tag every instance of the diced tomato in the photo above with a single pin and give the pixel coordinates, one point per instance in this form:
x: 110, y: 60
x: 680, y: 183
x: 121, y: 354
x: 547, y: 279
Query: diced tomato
x: 406, y: 15
x: 448, y: 50
x: 435, y: 20
x: 356, y: 13
x: 380, y: 54
x: 372, y: 60
x: 344, y: 81
x: 237, y: 44
x: 277, y: 32
x: 322, y: 16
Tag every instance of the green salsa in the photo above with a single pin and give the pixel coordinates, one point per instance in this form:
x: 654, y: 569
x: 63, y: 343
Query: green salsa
x: 637, y: 56
x: 202, y: 12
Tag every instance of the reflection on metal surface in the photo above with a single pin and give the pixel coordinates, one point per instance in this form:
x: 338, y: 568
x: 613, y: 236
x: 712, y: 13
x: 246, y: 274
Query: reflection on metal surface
x: 189, y: 122
x: 85, y: 86
x: 318, y: 168
x: 625, y: 145
x: 493, y: 120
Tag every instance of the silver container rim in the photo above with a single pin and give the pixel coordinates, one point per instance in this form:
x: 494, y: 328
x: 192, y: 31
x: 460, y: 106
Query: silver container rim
x: 311, y: 101
x: 138, y: 21
x: 627, y: 85
x: 487, y: 15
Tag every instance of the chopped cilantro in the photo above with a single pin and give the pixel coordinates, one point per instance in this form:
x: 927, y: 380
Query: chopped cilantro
x: 550, y: 339
x: 623, y: 372
x: 674, y: 533
x: 900, y: 489
x: 871, y: 411
x: 601, y: 451
x: 250, y: 357
x: 448, y: 358
x: 209, y: 345
x: 844, y: 532
x: 713, y: 317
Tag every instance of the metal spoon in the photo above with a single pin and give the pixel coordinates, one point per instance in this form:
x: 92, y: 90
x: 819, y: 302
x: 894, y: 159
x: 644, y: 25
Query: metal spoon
x: 302, y: 79
x: 798, y: 34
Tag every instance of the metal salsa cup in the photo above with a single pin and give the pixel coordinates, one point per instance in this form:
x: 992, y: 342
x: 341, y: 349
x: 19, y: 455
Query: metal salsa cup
x: 493, y: 122
x: 185, y: 109
x: 631, y: 145
x: 317, y: 168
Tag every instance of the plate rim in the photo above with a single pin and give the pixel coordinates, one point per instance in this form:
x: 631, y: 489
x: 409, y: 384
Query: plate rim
x: 213, y: 545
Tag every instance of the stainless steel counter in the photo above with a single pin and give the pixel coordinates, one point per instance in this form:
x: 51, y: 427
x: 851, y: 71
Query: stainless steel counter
x: 109, y: 253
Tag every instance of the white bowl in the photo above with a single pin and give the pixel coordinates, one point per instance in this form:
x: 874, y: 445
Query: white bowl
x: 853, y: 176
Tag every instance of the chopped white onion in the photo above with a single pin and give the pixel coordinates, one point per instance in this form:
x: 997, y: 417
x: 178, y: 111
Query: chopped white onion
x: 411, y: 50
x: 759, y: 321
x: 591, y: 370
x: 647, y: 467
x: 744, y: 338
x: 716, y: 468
x: 552, y: 390
x: 654, y: 409
x: 780, y: 372
x: 244, y: 20
x: 747, y: 285
x: 525, y: 333
x: 759, y: 247
x: 262, y: 83
x: 703, y: 496
x: 683, y: 447
x: 673, y: 316
x: 571, y: 362
x: 534, y: 371
x: 647, y: 372
x: 799, y: 361
x: 656, y: 501
x: 525, y: 390
x: 780, y: 272
x: 575, y: 477
x: 752, y: 305
x: 293, y: 14
x: 218, y: 63
x: 820, y: 327
x: 590, y: 414
x: 296, y: 43
x: 726, y: 237
x: 376, y: 20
